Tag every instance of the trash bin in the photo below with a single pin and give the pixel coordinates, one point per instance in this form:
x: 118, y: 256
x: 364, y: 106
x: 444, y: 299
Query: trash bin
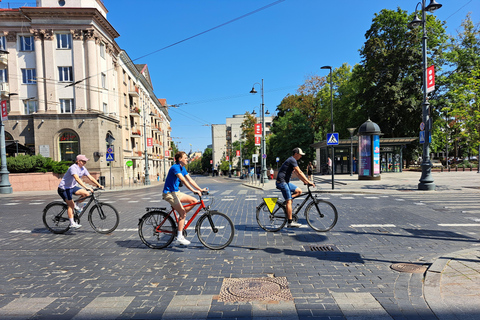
x: 101, y: 180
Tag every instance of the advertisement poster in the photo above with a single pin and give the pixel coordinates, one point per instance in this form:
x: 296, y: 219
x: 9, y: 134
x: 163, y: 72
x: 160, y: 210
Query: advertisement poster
x: 365, y: 160
x: 376, y: 154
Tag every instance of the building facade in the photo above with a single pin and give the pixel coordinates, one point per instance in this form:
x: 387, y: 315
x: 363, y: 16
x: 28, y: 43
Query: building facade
x: 72, y: 90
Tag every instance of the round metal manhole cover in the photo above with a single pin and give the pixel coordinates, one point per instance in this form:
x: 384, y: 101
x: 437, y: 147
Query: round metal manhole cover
x: 249, y: 289
x: 408, y: 267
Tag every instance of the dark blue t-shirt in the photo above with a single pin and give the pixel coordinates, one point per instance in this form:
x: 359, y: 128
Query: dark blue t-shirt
x: 285, y: 171
x: 172, y: 182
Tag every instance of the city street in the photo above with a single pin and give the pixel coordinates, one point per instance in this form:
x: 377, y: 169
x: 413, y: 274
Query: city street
x: 85, y: 275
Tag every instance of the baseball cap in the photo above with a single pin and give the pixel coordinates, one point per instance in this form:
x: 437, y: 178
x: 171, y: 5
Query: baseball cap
x: 299, y: 151
x: 82, y: 157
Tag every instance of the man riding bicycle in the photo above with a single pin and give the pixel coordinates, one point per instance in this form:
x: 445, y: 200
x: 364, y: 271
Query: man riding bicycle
x: 175, y: 198
x: 287, y: 188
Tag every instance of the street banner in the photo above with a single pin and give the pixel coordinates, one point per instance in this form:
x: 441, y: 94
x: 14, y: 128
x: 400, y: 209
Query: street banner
x: 227, y: 158
x: 238, y: 153
x: 258, y: 141
x: 167, y: 153
x: 4, y: 110
x: 430, y: 79
x: 258, y: 129
x: 149, y: 142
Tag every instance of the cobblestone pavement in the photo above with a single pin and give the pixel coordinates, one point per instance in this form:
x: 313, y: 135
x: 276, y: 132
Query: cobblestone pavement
x: 84, y: 275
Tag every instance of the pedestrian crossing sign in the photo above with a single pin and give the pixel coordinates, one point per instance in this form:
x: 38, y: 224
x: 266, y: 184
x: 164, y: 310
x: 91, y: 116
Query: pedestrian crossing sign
x: 332, y: 139
x: 270, y: 202
x: 110, y: 157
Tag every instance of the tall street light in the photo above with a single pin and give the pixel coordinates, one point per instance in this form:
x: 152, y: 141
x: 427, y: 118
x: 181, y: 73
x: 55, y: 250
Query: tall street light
x: 147, y: 175
x: 263, y: 145
x: 333, y: 124
x: 351, y: 130
x: 5, y: 186
x: 426, y: 180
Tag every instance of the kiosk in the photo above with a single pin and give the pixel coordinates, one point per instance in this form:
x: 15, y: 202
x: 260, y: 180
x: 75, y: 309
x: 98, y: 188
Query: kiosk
x: 369, y: 151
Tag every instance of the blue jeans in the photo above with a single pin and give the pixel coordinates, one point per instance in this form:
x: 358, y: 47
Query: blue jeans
x: 287, y: 189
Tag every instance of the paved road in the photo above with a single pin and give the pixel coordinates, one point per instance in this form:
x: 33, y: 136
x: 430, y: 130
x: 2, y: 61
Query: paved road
x: 84, y: 275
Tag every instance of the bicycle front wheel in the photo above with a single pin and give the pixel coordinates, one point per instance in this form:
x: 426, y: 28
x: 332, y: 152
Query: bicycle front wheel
x: 103, y: 218
x: 55, y: 217
x: 321, y: 217
x: 271, y: 221
x: 157, y: 229
x: 215, y: 230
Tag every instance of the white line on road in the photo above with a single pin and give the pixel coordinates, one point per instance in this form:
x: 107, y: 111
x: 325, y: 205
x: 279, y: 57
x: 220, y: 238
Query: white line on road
x: 372, y: 226
x: 459, y: 224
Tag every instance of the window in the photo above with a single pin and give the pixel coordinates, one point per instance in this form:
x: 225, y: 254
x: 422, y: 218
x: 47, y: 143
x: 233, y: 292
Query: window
x: 4, y: 75
x: 2, y: 43
x: 104, y: 81
x: 29, y: 76
x: 68, y: 145
x: 102, y: 50
x: 65, y: 74
x: 30, y: 106
x: 67, y: 106
x: 64, y: 41
x: 105, y: 108
x: 26, y: 43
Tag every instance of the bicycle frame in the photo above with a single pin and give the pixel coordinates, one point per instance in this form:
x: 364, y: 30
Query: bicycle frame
x: 187, y: 222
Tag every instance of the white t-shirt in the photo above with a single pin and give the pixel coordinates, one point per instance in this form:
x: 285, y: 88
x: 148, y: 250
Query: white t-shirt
x: 68, y: 181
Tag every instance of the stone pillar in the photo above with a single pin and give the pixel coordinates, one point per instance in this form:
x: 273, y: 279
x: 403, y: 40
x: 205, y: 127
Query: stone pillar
x: 40, y: 71
x: 92, y: 71
x: 80, y: 91
x: 51, y: 72
x: 14, y: 74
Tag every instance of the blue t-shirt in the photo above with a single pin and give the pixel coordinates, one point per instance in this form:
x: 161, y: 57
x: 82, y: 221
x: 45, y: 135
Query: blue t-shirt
x: 172, y: 182
x: 285, y: 171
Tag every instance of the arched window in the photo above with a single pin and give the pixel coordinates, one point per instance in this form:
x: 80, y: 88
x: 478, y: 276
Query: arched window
x: 8, y: 136
x: 68, y: 145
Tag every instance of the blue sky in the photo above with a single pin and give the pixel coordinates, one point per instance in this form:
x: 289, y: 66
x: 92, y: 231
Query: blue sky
x: 210, y: 76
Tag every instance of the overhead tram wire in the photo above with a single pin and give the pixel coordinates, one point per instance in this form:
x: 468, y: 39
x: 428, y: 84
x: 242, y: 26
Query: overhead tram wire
x: 191, y: 37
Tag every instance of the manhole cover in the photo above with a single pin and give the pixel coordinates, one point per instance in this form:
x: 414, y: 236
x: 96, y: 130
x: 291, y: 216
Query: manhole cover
x: 408, y: 267
x: 249, y: 289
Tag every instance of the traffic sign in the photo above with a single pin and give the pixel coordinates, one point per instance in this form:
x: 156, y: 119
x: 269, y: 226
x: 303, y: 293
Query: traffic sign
x: 332, y: 139
x: 264, y: 156
x: 278, y: 159
x: 109, y: 150
x: 110, y: 157
x: 422, y: 126
x: 246, y: 162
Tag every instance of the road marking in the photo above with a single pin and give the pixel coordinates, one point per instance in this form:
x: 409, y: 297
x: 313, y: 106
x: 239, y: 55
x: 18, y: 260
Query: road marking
x: 228, y: 199
x: 420, y: 203
x: 132, y: 201
x: 459, y: 224
x: 400, y: 199
x: 373, y: 226
x: 226, y: 192
x: 360, y: 305
x: 251, y: 199
x: 127, y: 229
x: 11, y: 204
x: 104, y: 308
x: 372, y: 197
x: 24, y: 308
x: 347, y: 198
x: 21, y: 231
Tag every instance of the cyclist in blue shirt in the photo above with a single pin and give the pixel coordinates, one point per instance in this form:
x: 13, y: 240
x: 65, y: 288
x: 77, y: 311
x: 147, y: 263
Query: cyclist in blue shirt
x: 175, y: 198
x: 283, y: 183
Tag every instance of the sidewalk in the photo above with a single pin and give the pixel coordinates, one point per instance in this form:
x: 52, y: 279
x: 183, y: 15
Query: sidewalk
x: 452, y: 283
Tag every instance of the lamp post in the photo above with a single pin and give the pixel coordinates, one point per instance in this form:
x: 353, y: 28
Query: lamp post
x: 263, y: 145
x: 333, y: 124
x: 351, y: 130
x: 5, y: 186
x: 426, y: 180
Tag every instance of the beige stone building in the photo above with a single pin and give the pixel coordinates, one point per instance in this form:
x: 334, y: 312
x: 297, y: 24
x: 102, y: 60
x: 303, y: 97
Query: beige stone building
x: 72, y: 90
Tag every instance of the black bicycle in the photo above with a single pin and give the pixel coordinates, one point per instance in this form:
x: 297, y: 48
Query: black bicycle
x: 103, y: 217
x: 321, y: 215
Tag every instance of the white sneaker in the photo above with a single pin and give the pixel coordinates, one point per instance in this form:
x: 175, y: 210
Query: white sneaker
x: 75, y: 226
x: 182, y: 241
x: 78, y: 208
x: 294, y: 224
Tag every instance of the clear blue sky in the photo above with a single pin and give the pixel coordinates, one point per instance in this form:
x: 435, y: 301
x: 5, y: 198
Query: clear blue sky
x: 210, y: 76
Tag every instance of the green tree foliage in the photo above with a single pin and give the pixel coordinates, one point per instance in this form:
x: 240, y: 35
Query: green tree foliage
x: 206, y: 158
x: 195, y: 166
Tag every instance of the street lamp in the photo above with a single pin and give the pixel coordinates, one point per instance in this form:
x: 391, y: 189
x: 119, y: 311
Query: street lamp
x: 5, y: 186
x: 333, y: 124
x: 426, y: 180
x: 263, y: 146
x: 351, y: 130
x: 147, y: 175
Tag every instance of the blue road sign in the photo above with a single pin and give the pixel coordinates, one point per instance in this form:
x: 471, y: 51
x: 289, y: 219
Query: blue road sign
x: 332, y: 139
x: 422, y: 137
x: 246, y: 162
x: 110, y: 157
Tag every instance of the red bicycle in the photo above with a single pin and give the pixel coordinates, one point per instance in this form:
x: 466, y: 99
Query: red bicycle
x: 157, y: 228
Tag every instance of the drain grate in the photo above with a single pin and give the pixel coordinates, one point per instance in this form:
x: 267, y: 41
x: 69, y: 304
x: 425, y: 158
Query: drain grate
x: 408, y: 267
x: 251, y: 289
x: 322, y: 248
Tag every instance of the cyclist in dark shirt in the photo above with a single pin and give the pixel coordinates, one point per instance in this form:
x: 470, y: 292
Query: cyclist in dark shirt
x: 283, y: 183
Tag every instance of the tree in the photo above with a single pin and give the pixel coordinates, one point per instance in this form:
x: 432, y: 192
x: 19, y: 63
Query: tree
x: 206, y: 158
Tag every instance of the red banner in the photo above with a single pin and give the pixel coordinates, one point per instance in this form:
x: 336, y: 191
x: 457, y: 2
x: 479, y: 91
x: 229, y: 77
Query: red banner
x: 167, y: 153
x: 258, y: 128
x: 149, y: 142
x: 258, y: 141
x: 4, y: 110
x: 238, y: 153
x: 430, y: 79
x: 227, y: 158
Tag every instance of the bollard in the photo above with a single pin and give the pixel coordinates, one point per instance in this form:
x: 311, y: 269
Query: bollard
x: 113, y: 182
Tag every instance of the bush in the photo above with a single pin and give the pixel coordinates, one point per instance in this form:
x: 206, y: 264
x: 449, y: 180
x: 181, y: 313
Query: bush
x: 38, y: 163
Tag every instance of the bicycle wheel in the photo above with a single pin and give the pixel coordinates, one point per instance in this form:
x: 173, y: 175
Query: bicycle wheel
x: 325, y: 219
x: 103, y: 218
x: 274, y: 221
x: 55, y: 217
x: 215, y: 230
x: 157, y: 229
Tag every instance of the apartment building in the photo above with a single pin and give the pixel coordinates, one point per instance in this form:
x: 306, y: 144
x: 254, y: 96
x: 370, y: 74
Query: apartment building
x: 72, y: 90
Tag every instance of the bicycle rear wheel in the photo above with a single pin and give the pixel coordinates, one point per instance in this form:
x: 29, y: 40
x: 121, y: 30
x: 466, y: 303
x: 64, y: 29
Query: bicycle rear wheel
x: 55, y: 217
x: 157, y: 229
x: 103, y: 218
x: 322, y: 220
x: 215, y: 230
x: 274, y: 221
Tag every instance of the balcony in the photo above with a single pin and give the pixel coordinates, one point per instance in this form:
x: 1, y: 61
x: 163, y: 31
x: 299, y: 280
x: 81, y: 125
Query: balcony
x: 5, y: 89
x: 133, y: 93
x: 3, y: 59
x: 134, y: 112
x: 136, y: 132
